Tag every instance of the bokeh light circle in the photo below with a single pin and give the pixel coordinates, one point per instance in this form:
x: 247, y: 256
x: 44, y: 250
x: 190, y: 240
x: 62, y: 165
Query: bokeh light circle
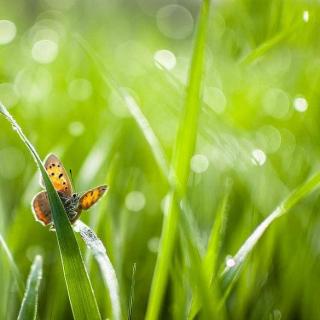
x: 165, y: 58
x: 8, y: 31
x: 135, y: 201
x: 44, y: 51
x: 175, y: 21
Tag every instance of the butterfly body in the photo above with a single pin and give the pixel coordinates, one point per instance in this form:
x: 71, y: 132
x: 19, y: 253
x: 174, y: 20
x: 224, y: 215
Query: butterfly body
x: 73, y: 203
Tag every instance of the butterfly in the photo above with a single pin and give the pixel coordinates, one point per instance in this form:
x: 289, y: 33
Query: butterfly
x: 73, y: 203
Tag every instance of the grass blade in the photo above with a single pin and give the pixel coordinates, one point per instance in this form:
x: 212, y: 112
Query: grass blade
x: 104, y: 263
x: 131, y: 300
x: 183, y: 151
x: 29, y: 304
x: 210, y: 261
x: 81, y: 296
x: 13, y: 266
x: 148, y: 133
x: 270, y: 44
x: 232, y: 272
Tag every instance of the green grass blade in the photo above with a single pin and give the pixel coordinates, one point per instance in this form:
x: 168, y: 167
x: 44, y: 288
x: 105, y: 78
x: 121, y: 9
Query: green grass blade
x: 81, y: 295
x: 232, y: 272
x: 13, y: 266
x: 29, y: 304
x: 107, y: 271
x: 148, y: 133
x: 210, y: 261
x: 183, y: 151
x: 269, y: 44
x: 131, y: 298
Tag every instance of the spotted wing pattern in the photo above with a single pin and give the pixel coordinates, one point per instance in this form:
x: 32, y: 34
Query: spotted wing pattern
x: 58, y: 175
x: 89, y: 198
x: 41, y: 208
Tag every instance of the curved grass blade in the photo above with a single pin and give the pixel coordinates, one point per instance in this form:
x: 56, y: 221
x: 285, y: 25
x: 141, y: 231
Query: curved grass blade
x: 13, y: 266
x: 81, y: 295
x: 183, y: 150
x: 231, y: 273
x: 29, y: 304
x: 210, y: 261
x: 270, y: 44
x: 104, y: 263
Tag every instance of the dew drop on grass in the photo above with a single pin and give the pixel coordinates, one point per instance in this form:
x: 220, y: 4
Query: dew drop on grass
x: 258, y: 157
x: 230, y: 262
x: 300, y: 104
x: 165, y: 58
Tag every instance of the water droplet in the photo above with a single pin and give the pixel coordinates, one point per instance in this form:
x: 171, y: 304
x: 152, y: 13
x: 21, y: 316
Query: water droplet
x: 300, y: 104
x: 7, y: 31
x: 230, y: 262
x: 305, y: 16
x: 165, y: 58
x: 258, y: 157
x: 135, y: 201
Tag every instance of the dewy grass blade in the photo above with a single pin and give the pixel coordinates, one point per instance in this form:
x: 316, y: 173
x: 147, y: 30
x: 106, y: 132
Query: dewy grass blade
x: 210, y: 261
x: 232, y: 272
x: 81, y: 295
x: 13, y: 266
x: 106, y: 268
x: 183, y: 151
x: 29, y: 304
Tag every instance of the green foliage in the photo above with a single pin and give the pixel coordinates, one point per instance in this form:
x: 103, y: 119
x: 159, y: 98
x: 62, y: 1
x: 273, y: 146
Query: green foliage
x: 108, y: 92
x: 81, y: 296
x: 29, y: 304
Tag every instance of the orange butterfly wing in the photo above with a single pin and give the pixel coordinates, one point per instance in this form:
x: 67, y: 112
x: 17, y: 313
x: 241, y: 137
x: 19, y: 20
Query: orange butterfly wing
x: 41, y: 208
x: 89, y: 198
x: 58, y: 175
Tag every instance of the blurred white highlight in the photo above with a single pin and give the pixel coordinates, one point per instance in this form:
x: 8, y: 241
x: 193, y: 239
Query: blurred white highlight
x: 44, y: 51
x: 135, y: 201
x: 7, y: 31
x: 258, y: 157
x: 300, y: 104
x: 165, y: 58
x: 199, y: 163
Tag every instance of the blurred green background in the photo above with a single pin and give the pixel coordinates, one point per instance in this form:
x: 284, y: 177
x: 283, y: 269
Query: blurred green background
x: 259, y: 127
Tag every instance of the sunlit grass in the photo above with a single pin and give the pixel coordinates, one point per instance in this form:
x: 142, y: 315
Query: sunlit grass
x: 106, y: 86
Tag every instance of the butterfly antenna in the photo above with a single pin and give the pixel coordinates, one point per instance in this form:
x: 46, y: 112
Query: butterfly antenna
x: 71, y: 178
